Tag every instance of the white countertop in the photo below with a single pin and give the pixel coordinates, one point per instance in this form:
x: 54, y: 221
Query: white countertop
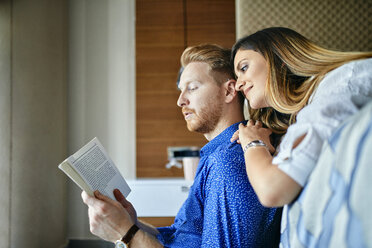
x: 158, y: 197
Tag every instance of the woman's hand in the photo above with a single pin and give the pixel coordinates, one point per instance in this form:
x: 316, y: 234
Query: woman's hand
x: 235, y: 137
x: 253, y: 131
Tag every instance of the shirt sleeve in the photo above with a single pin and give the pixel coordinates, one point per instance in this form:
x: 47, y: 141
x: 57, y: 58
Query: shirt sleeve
x: 340, y: 94
x: 165, y: 234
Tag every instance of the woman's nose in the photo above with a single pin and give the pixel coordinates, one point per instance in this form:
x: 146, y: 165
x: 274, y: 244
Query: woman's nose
x: 239, y: 84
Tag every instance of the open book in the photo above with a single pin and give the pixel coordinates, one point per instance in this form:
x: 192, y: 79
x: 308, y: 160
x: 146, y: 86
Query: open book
x: 92, y: 169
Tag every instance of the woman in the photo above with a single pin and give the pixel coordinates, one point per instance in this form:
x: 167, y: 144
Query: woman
x: 282, y: 73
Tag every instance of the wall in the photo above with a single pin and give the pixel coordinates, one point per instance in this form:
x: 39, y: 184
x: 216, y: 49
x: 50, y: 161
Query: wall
x: 340, y: 25
x: 32, y: 123
x: 163, y: 30
x: 41, y: 98
x: 101, y: 94
x: 5, y: 121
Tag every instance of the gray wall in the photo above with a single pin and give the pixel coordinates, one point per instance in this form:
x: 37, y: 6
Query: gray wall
x: 5, y: 123
x: 67, y: 73
x: 101, y: 95
x: 33, y: 123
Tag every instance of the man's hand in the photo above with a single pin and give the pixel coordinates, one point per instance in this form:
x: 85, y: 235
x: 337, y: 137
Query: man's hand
x: 108, y: 219
x: 126, y: 204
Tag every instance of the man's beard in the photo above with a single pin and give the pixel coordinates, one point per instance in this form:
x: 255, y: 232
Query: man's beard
x: 207, y: 118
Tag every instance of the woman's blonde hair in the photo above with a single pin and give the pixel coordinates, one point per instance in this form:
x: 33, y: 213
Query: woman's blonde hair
x: 296, y: 67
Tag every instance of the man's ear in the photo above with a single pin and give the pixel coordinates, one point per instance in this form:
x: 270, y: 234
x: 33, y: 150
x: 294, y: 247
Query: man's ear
x: 229, y: 90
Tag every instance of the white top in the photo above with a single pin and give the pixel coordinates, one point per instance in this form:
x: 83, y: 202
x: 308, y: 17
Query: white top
x: 339, y: 95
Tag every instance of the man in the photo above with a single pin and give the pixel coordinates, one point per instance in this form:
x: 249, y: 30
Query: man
x: 222, y: 209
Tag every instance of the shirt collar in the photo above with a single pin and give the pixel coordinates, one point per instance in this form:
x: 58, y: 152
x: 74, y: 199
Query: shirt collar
x: 220, y: 139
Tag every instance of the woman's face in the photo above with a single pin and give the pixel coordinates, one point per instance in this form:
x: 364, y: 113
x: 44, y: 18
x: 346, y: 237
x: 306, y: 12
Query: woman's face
x: 252, y: 69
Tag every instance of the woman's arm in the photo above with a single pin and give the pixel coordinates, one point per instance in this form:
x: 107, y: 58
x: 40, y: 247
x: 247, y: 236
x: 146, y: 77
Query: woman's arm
x: 273, y: 187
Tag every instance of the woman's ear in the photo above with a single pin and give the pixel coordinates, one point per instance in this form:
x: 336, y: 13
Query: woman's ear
x: 230, y: 92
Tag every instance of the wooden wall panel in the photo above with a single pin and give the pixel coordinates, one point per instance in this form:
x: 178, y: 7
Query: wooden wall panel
x: 210, y: 21
x: 158, y: 221
x: 160, y: 42
x: 164, y: 28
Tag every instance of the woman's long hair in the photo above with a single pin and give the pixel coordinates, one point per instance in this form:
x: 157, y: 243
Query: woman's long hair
x: 296, y: 67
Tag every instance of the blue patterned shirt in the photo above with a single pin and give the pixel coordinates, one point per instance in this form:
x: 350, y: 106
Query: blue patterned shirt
x: 222, y: 209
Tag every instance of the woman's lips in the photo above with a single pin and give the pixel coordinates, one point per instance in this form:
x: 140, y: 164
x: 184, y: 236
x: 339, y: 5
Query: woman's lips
x: 247, y: 90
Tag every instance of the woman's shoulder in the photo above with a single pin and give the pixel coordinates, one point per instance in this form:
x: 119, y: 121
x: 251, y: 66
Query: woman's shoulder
x: 362, y: 67
x: 347, y: 78
x: 352, y: 67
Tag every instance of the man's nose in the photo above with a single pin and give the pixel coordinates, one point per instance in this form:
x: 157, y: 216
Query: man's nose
x: 182, y: 100
x: 239, y: 84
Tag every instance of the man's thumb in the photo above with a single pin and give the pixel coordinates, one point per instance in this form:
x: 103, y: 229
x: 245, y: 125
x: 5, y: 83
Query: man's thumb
x: 120, y: 198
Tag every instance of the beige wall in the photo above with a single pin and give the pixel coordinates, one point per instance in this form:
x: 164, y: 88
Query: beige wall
x: 340, y: 25
x: 33, y: 123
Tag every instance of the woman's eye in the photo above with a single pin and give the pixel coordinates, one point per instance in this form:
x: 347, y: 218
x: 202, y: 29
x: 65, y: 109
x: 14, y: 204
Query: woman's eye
x: 244, y: 68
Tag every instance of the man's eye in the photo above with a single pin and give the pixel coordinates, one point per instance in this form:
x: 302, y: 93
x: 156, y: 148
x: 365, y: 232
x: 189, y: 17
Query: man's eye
x: 193, y: 88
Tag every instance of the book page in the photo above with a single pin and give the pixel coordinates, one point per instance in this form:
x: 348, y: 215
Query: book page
x: 96, y: 168
x: 71, y: 173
